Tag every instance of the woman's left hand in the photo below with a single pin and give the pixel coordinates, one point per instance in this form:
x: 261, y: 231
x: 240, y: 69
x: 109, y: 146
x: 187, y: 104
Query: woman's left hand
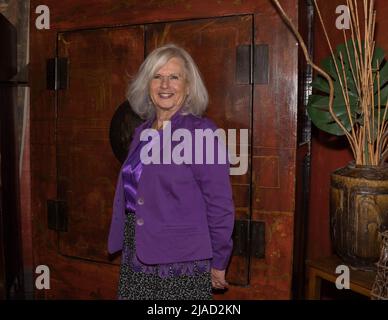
x: 218, y: 279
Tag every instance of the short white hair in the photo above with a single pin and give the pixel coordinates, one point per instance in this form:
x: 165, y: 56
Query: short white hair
x: 138, y: 91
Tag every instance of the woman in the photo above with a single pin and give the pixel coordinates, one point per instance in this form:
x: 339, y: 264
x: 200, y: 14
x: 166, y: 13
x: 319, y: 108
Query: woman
x: 173, y: 221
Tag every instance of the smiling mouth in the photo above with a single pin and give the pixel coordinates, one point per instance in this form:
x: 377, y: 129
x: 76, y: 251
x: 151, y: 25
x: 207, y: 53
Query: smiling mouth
x: 165, y: 95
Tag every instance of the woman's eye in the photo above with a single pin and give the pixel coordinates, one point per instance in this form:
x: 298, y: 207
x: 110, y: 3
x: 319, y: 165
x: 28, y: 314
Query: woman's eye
x: 157, y: 76
x: 174, y: 77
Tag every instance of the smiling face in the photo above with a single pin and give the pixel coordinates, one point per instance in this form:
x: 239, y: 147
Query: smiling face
x: 168, y: 87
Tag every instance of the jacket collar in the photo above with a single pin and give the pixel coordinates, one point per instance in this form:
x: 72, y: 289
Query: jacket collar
x: 175, y: 119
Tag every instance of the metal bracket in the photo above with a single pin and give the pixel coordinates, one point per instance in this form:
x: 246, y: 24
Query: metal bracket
x: 257, y: 239
x: 243, y: 64
x: 260, y: 64
x: 249, y: 239
x: 57, y: 215
x: 240, y: 238
x: 245, y: 73
x: 57, y: 73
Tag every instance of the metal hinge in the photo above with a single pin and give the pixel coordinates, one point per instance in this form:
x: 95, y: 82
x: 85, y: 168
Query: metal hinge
x: 249, y: 239
x: 57, y: 73
x: 57, y: 215
x: 257, y: 239
x: 252, y: 67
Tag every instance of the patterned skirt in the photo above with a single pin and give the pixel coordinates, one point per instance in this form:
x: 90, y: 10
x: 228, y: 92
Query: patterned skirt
x: 153, y: 282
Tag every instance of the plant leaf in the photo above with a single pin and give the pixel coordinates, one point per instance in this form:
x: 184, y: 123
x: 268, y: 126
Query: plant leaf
x: 342, y: 48
x: 378, y: 57
x: 383, y: 75
x: 318, y: 106
x: 328, y: 65
x: 320, y: 84
x: 347, y: 64
x: 318, y: 111
x: 383, y: 97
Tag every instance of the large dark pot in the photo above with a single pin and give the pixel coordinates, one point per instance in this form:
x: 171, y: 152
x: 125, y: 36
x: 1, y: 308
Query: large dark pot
x: 358, y: 213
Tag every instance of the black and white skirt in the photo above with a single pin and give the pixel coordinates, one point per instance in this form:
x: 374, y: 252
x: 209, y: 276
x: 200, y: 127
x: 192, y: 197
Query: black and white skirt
x: 186, y: 281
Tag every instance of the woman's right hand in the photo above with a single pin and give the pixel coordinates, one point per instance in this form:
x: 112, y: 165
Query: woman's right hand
x: 218, y: 279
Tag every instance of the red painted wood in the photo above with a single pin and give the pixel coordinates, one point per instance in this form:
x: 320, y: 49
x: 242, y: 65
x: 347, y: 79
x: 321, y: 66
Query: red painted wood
x: 101, y: 63
x: 274, y: 138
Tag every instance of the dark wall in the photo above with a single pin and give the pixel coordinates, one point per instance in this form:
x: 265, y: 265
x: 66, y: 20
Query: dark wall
x: 10, y: 241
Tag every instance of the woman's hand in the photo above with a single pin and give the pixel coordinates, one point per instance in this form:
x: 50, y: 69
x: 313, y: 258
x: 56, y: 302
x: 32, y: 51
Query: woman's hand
x: 218, y: 279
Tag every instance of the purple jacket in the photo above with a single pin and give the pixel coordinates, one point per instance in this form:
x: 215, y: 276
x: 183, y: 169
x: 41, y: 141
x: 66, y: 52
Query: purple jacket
x: 184, y: 212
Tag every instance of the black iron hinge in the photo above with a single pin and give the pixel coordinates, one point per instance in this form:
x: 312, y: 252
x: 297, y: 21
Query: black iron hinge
x: 57, y: 215
x: 252, y: 65
x: 57, y: 73
x: 257, y: 239
x: 249, y: 239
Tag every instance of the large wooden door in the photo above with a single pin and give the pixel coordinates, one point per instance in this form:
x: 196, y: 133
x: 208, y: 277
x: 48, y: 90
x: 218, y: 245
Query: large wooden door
x: 100, y: 65
x: 84, y: 271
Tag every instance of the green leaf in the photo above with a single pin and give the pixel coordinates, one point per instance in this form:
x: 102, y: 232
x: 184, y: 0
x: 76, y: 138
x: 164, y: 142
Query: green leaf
x: 382, y: 118
x: 383, y: 97
x: 342, y: 49
x: 320, y: 84
x: 382, y: 67
x: 384, y: 75
x: 378, y: 58
x: 318, y: 110
x: 329, y: 66
x: 318, y: 106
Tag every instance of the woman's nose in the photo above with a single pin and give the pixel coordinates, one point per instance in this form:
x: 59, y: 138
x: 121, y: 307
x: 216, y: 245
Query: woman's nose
x: 165, y: 82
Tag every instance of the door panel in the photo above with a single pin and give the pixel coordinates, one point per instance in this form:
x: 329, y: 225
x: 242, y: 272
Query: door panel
x: 213, y: 43
x: 100, y: 64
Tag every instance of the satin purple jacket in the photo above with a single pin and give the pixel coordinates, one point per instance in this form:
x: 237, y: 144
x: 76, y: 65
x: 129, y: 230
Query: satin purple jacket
x: 184, y: 212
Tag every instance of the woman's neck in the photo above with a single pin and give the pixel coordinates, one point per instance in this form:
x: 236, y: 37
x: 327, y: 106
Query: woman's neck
x: 163, y: 115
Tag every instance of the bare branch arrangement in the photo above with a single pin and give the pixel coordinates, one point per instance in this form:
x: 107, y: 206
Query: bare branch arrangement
x: 380, y: 285
x: 364, y: 120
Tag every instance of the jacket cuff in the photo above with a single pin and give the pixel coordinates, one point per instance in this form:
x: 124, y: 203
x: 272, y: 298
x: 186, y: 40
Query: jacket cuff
x: 220, y: 263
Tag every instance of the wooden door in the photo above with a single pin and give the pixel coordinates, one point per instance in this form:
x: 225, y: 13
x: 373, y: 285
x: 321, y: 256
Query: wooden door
x: 100, y: 64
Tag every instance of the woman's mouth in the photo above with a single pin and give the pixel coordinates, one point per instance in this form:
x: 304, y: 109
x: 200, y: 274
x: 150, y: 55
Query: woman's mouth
x: 165, y: 95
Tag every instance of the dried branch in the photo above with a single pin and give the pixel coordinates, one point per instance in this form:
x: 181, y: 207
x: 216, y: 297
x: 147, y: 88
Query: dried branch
x: 368, y: 139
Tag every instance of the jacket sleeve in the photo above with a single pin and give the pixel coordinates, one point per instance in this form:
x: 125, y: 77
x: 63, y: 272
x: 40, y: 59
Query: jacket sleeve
x: 213, y: 180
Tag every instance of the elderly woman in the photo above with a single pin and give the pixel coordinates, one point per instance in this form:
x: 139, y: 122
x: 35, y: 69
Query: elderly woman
x: 172, y: 221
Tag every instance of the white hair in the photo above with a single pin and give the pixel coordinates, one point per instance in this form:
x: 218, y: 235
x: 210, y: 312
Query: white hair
x: 138, y: 91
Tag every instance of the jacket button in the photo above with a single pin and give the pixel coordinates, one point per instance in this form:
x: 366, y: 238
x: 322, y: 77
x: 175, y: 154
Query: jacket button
x: 140, y: 222
x: 140, y: 201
